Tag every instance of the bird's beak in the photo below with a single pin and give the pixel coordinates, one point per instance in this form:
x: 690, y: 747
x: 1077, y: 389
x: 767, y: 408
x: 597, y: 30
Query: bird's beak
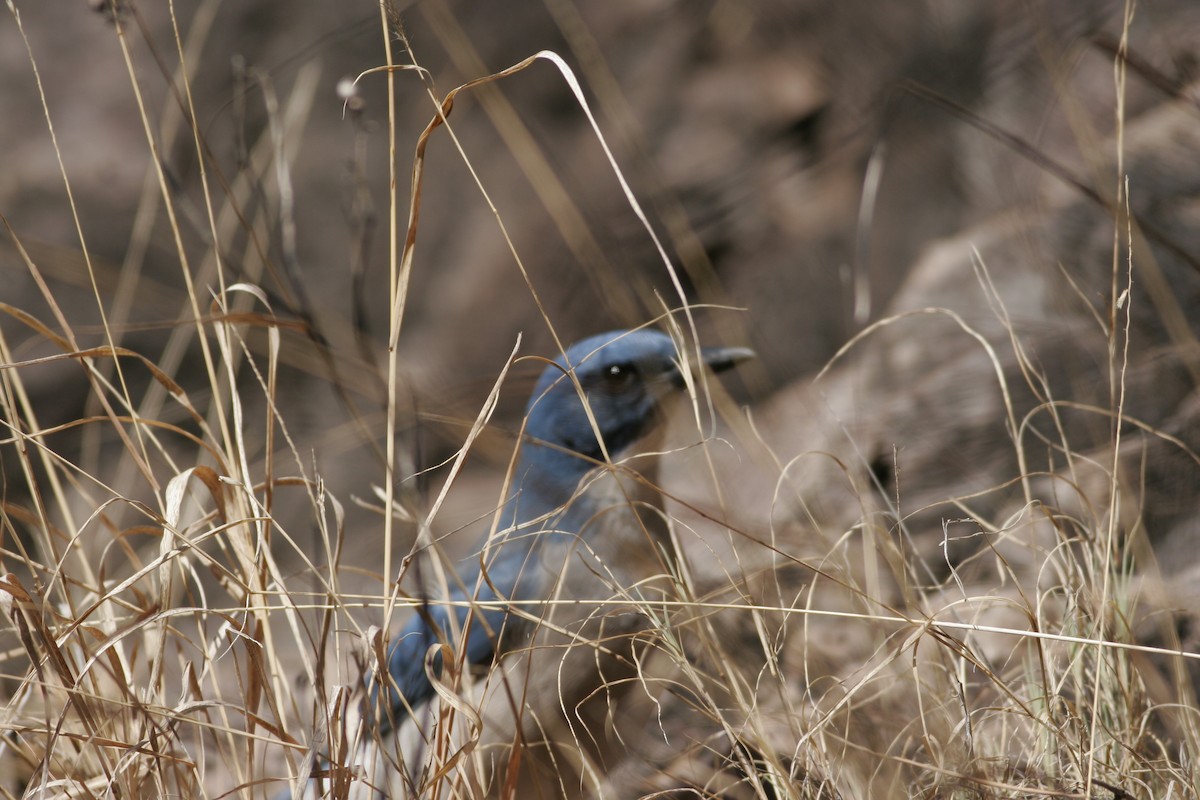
x: 718, y: 359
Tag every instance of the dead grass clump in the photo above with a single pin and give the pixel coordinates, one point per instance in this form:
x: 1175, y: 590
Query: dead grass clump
x: 944, y: 590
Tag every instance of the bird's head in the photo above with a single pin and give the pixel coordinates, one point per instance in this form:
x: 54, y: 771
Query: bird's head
x: 624, y: 377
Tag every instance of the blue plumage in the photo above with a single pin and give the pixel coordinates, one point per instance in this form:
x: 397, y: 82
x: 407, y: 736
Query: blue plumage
x: 624, y: 375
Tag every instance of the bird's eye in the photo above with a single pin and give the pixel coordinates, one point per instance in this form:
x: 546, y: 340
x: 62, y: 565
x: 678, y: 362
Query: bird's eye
x: 619, y: 376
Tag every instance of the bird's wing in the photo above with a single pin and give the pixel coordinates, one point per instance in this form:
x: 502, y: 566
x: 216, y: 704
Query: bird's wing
x: 485, y: 619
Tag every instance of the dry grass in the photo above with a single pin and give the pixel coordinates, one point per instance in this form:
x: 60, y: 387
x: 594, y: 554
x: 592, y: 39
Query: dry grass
x: 170, y: 632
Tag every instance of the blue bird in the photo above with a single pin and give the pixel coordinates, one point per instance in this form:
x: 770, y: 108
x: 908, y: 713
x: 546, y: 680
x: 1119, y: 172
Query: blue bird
x: 570, y: 529
x: 624, y: 376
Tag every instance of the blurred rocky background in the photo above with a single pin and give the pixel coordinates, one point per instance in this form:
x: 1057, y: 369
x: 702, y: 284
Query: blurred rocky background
x: 798, y: 160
